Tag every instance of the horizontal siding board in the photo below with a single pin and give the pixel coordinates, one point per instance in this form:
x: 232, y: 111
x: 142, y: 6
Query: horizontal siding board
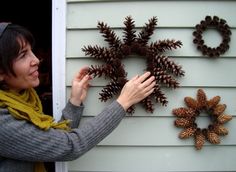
x: 170, y: 13
x: 175, y: 98
x: 159, y: 131
x: 77, y: 39
x: 199, y: 72
x: 137, y: 159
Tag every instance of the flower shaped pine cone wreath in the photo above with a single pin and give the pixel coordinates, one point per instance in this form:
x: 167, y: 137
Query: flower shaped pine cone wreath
x: 158, y: 64
x: 221, y: 26
x: 186, y: 119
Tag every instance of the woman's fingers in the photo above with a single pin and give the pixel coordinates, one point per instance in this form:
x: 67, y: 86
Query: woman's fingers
x: 82, y: 72
x: 149, y: 89
x: 148, y: 81
x: 136, y: 89
x: 143, y: 77
x: 85, y: 80
x: 149, y: 92
x: 134, y: 78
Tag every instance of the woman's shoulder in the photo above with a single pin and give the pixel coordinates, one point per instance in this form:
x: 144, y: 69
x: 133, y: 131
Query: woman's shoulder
x: 5, y: 116
x: 4, y: 111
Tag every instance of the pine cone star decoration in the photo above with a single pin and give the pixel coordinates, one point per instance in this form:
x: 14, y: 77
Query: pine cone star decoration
x: 160, y: 66
x: 186, y: 119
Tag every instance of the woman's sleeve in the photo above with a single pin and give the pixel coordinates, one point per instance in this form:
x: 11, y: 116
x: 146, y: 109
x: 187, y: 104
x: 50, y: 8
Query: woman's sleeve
x: 23, y: 141
x: 72, y: 113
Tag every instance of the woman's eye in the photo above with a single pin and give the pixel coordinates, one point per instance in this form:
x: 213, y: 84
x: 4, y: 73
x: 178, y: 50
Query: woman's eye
x: 20, y: 56
x: 25, y: 52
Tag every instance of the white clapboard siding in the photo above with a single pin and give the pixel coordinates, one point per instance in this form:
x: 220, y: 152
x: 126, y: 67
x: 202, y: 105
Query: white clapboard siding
x: 77, y: 39
x: 170, y: 13
x: 158, y: 131
x: 149, y: 141
x: 175, y: 98
x: 154, y: 159
x: 198, y: 71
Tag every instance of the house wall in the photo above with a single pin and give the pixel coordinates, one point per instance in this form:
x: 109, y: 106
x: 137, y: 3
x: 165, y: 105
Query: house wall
x: 144, y: 141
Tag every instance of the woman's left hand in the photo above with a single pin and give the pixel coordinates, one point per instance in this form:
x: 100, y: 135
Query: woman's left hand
x: 80, y: 85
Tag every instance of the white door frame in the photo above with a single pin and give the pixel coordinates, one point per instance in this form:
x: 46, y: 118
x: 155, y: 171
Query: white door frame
x: 58, y: 64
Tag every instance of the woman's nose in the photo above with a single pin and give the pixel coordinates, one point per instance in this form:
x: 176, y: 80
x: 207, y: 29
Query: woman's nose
x: 35, y: 60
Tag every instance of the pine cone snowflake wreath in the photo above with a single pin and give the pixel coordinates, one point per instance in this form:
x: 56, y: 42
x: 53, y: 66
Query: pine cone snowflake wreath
x: 159, y: 65
x: 186, y: 119
x: 221, y: 26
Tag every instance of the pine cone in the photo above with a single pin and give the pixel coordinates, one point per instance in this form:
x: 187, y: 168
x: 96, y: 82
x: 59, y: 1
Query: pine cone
x: 159, y: 96
x: 169, y: 65
x: 109, y: 35
x: 199, y: 139
x: 147, y: 31
x: 129, y: 31
x: 201, y: 99
x: 213, y: 102
x: 98, y: 71
x: 130, y: 110
x: 188, y: 132
x: 183, y: 122
x: 191, y: 103
x: 219, y: 109
x: 163, y: 45
x: 212, y: 137
x: 147, y: 102
x: 162, y: 77
x: 223, y: 118
x: 184, y: 112
x: 109, y: 90
x: 220, y: 129
x: 99, y: 53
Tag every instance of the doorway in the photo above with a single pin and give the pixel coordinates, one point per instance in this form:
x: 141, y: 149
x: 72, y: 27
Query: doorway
x: 36, y: 16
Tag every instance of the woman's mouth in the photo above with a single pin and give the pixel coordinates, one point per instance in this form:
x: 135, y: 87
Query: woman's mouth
x: 35, y: 73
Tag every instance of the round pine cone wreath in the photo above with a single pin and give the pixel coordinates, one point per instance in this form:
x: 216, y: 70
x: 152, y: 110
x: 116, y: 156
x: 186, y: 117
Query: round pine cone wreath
x: 221, y: 26
x: 186, y: 119
x: 158, y: 64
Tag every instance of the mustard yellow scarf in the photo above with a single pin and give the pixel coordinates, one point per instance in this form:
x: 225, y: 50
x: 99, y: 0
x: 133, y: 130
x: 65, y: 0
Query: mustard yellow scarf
x: 27, y: 106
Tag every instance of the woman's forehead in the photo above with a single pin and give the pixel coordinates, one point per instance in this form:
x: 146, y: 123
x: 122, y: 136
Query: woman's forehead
x: 23, y: 42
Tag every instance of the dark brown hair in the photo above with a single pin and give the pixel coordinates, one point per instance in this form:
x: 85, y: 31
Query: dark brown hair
x: 12, y: 41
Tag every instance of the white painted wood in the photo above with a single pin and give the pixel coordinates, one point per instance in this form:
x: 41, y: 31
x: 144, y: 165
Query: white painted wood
x: 58, y: 57
x: 58, y: 64
x: 170, y: 13
x: 156, y: 159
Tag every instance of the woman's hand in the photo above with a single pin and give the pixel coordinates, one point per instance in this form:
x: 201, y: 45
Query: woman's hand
x: 80, y: 85
x: 136, y: 89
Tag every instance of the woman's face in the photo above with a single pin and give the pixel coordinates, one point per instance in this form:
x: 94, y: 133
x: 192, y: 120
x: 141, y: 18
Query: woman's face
x: 25, y: 67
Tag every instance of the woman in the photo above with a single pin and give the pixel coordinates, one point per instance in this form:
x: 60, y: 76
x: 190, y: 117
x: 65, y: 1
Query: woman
x: 28, y: 136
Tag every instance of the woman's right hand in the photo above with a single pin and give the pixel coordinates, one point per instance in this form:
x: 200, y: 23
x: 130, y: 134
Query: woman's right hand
x: 80, y: 85
x: 136, y: 89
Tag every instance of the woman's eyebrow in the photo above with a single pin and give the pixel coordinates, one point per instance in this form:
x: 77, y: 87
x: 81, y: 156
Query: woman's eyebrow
x: 22, y: 51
